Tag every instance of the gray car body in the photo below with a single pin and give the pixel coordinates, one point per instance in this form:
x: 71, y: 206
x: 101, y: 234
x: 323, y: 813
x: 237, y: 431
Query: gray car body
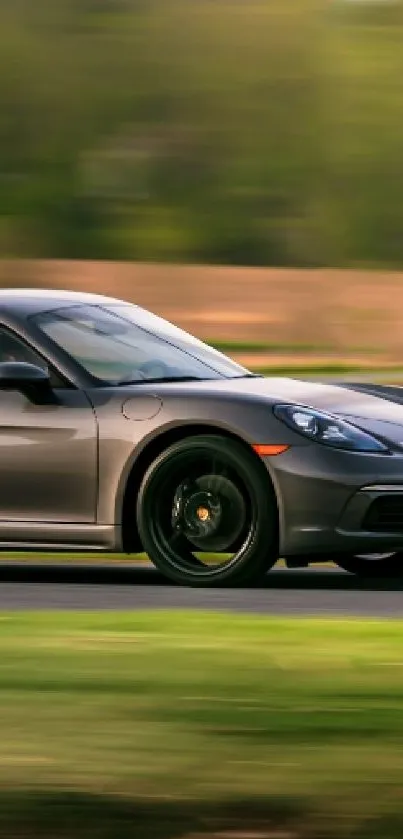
x: 65, y: 468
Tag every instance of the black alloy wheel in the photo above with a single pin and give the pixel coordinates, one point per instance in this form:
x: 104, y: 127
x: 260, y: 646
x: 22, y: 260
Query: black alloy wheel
x: 375, y: 565
x: 207, y: 513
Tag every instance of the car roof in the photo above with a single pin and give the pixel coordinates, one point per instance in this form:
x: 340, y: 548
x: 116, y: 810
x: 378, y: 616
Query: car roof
x: 28, y: 301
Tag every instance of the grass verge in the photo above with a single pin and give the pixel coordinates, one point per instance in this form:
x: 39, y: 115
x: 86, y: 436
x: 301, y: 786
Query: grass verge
x: 176, y: 724
x: 330, y: 369
x: 266, y: 346
x: 310, y: 366
x: 288, y: 347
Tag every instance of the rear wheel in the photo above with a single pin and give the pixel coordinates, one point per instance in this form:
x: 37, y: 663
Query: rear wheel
x: 207, y: 514
x: 372, y: 565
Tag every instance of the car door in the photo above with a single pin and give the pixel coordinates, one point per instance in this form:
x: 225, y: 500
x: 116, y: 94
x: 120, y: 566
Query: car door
x: 48, y: 453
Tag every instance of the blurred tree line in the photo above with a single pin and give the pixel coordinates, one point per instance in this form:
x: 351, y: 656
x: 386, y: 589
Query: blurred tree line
x: 236, y: 131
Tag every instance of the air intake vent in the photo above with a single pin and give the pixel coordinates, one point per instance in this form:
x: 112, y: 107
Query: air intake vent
x: 385, y: 515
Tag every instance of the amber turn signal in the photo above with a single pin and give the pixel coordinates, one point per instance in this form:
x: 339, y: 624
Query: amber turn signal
x: 269, y: 450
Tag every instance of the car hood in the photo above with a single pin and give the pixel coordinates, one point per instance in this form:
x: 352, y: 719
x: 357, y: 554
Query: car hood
x: 341, y: 399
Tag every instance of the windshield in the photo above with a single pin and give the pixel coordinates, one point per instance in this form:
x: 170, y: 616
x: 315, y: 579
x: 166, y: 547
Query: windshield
x: 124, y: 343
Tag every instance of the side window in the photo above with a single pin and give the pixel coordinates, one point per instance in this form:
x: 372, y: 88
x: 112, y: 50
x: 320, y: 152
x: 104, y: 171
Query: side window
x: 15, y: 349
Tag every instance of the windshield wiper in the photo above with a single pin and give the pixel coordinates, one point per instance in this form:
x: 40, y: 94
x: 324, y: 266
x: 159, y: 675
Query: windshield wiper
x: 162, y: 380
x: 248, y: 376
x: 170, y: 379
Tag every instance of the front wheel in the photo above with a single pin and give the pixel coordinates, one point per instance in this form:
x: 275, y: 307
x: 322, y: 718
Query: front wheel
x: 207, y: 514
x: 372, y: 565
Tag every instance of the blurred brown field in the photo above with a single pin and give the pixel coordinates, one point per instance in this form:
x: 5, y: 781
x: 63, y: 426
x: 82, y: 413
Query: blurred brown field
x: 265, y: 314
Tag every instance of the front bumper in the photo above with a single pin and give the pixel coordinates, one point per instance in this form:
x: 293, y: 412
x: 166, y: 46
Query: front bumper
x: 326, y: 500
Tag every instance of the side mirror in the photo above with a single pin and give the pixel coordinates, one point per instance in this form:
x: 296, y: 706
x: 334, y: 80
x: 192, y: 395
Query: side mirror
x: 29, y: 379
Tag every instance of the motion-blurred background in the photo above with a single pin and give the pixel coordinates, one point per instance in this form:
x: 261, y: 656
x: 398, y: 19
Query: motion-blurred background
x: 235, y: 165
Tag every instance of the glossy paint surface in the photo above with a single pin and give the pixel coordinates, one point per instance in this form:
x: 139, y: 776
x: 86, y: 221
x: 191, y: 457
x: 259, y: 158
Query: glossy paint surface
x: 64, y: 468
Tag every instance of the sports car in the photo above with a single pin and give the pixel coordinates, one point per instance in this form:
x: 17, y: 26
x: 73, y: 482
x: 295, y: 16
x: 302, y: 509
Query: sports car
x: 120, y: 432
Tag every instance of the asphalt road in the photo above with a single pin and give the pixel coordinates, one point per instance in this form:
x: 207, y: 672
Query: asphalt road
x: 306, y: 592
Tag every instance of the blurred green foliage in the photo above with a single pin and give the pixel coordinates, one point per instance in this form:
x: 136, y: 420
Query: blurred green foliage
x: 258, y: 132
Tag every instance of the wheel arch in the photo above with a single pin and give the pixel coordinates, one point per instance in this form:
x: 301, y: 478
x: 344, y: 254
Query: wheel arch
x: 137, y: 467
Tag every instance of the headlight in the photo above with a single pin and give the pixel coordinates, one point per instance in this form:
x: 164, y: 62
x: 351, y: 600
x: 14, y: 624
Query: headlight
x: 331, y: 431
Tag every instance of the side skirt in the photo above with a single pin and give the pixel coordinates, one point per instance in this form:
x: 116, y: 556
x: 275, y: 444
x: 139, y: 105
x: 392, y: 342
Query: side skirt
x: 55, y: 536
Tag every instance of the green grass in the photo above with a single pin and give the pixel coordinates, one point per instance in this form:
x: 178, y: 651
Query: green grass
x: 267, y: 346
x: 165, y: 718
x: 69, y: 556
x: 97, y: 558
x: 328, y: 369
x: 294, y: 369
x: 316, y: 368
x: 286, y: 347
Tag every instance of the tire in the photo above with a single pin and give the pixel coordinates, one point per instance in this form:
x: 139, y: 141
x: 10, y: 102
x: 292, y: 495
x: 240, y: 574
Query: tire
x: 372, y: 565
x: 208, y: 494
